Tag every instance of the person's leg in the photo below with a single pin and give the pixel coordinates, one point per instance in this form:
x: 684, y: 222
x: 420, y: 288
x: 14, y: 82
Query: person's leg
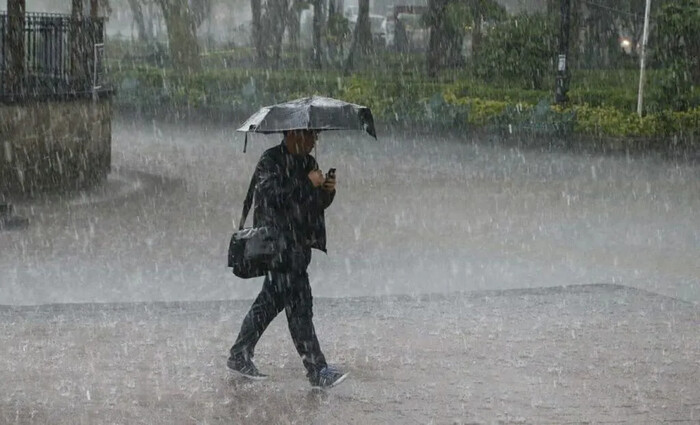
x: 265, y: 308
x: 299, y: 310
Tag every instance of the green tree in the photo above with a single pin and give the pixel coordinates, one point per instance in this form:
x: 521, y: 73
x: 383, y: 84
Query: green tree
x: 182, y: 36
x: 277, y: 23
x: 437, y: 45
x: 471, y: 15
x: 337, y: 32
x: 449, y: 21
x: 362, y: 36
x: 602, y: 23
x: 678, y: 53
x: 678, y: 29
x: 519, y: 49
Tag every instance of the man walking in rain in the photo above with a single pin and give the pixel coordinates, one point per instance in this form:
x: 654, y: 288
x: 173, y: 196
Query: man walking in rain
x: 291, y: 195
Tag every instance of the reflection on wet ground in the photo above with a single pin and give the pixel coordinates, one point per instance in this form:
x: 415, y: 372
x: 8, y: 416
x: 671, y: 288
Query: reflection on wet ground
x: 592, y: 353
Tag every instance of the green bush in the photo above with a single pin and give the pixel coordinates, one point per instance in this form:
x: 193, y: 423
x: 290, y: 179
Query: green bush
x: 600, y: 121
x: 460, y: 104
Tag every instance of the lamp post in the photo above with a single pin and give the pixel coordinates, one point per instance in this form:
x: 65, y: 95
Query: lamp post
x: 642, y: 60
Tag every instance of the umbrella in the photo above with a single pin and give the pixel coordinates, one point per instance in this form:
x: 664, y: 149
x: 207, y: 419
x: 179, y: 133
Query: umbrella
x: 310, y: 113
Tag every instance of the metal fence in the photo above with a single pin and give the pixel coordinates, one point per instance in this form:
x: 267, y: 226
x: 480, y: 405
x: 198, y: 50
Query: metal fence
x: 62, y: 56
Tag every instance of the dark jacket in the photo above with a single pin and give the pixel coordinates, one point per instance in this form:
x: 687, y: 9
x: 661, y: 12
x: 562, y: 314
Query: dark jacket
x: 286, y: 199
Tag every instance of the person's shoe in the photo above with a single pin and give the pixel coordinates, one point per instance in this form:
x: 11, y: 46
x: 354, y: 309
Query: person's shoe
x: 246, y: 368
x: 328, y: 377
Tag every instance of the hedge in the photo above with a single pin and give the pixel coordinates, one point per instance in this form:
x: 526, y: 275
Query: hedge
x: 462, y: 103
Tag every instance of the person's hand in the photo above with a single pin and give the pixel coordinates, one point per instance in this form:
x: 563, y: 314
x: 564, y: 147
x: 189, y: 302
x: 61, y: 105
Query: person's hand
x: 316, y: 177
x: 329, y: 184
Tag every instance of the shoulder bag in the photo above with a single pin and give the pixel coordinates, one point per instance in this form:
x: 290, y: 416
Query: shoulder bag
x: 253, y: 251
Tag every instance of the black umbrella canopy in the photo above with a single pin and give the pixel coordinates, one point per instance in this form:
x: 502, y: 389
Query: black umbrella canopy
x: 311, y: 113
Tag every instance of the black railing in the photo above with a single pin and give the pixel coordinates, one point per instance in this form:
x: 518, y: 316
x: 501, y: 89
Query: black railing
x: 62, y: 56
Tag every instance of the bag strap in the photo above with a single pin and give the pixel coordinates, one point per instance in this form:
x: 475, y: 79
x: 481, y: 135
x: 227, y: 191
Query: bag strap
x: 248, y: 202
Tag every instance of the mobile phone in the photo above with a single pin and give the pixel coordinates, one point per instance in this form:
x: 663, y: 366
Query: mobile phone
x: 331, y: 173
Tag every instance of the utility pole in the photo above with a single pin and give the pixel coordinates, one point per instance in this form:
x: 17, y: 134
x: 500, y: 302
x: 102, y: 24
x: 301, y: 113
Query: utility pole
x: 562, y: 86
x: 643, y: 56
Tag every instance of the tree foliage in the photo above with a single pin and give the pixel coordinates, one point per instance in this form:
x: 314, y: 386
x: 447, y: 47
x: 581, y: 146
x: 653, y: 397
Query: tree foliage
x: 182, y: 35
x: 678, y: 29
x: 596, y: 28
x: 449, y: 22
x: 520, y: 48
x: 678, y: 53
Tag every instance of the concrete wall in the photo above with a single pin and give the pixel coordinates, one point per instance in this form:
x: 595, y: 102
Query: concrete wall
x: 54, y: 145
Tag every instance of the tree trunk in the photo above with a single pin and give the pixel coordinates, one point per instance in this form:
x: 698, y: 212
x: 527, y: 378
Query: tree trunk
x: 294, y: 26
x: 364, y: 30
x: 182, y: 38
x: 317, y: 30
x: 456, y: 43
x: 279, y: 24
x: 258, y: 33
x: 137, y: 13
x: 362, y: 36
x: 331, y: 46
x: 454, y: 39
x: 15, y: 50
x: 575, y: 36
x: 438, y: 44
x: 476, y: 37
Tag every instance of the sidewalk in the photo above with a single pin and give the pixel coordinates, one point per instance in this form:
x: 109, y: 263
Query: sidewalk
x: 596, y: 353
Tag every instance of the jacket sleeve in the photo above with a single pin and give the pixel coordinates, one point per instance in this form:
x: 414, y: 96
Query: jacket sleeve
x: 325, y: 198
x: 277, y: 190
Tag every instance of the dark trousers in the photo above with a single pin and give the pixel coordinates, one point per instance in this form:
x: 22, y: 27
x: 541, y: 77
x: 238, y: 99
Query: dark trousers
x: 289, y: 291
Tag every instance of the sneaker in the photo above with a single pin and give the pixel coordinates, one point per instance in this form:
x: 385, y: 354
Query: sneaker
x: 246, y: 368
x: 328, y: 377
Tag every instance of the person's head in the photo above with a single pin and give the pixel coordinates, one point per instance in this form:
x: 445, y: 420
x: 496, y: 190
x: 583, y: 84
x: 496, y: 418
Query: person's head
x: 300, y: 142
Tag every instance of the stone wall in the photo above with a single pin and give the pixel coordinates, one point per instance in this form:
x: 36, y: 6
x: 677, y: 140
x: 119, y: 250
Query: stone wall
x: 54, y: 145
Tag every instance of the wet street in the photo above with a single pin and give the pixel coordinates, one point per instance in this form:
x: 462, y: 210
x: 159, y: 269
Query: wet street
x: 414, y: 214
x: 587, y: 354
x: 466, y: 282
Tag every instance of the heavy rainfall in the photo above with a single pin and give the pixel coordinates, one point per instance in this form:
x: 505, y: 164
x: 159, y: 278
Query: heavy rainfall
x: 520, y: 243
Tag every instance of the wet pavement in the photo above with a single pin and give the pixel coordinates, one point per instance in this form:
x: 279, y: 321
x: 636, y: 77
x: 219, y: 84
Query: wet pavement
x: 583, y: 354
x: 457, y: 288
